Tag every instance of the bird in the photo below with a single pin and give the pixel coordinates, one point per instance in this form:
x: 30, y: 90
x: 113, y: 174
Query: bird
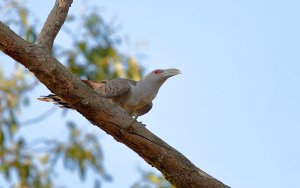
x: 134, y: 97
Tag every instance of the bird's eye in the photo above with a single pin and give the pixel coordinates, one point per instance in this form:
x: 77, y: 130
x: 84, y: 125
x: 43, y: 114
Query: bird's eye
x: 158, y: 71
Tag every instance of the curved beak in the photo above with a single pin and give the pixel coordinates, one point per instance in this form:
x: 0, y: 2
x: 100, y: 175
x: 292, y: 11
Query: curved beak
x: 171, y: 72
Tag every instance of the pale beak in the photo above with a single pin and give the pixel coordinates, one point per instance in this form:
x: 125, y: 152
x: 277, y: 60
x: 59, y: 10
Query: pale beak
x: 171, y: 72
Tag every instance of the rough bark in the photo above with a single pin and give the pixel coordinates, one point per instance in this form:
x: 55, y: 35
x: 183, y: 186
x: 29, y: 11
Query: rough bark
x: 105, y: 115
x: 55, y: 20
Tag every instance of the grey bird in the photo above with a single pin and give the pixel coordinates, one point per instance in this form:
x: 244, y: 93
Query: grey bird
x: 134, y: 97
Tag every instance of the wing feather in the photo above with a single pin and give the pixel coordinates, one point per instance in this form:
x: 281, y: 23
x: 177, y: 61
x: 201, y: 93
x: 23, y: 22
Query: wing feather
x: 111, y: 88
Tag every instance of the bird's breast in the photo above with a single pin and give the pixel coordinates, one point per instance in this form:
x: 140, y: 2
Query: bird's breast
x: 135, y: 99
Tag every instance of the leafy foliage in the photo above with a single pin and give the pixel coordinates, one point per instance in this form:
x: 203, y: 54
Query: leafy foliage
x: 32, y: 164
x: 94, y: 55
x: 98, y: 58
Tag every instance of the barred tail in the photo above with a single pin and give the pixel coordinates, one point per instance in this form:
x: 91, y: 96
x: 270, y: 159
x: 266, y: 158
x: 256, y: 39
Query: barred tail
x: 55, y: 99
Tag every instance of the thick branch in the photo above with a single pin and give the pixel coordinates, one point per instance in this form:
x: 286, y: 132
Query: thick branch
x: 53, y: 23
x: 176, y: 168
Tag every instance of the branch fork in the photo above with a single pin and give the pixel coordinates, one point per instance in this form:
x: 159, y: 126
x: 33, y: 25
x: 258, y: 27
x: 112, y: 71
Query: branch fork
x: 38, y: 59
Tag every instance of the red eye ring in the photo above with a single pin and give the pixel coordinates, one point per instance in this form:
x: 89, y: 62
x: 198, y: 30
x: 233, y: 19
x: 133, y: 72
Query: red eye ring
x: 158, y: 71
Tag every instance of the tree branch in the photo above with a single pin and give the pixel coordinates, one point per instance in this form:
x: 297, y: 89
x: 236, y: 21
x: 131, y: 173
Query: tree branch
x: 176, y: 168
x: 39, y: 118
x: 53, y: 23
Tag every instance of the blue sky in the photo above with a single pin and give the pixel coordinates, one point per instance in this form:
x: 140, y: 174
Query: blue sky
x: 235, y: 110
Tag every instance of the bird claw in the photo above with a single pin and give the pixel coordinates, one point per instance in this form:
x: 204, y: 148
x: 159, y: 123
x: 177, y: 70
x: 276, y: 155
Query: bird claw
x: 134, y: 119
x: 142, y: 123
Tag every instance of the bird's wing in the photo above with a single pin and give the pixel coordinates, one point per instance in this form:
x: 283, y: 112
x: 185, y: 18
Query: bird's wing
x: 111, y: 88
x: 144, y: 109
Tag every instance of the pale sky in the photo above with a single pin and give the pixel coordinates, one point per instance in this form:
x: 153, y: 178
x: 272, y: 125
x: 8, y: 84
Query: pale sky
x: 234, y: 111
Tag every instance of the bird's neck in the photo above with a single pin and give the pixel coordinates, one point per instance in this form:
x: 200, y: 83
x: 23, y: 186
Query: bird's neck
x: 149, y: 87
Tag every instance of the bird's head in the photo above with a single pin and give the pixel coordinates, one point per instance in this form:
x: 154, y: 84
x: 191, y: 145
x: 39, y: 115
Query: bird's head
x: 161, y: 75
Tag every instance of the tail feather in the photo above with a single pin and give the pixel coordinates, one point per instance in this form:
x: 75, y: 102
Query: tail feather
x: 55, y: 100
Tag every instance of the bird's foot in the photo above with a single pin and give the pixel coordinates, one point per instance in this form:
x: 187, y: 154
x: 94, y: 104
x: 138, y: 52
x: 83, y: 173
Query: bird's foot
x: 129, y: 127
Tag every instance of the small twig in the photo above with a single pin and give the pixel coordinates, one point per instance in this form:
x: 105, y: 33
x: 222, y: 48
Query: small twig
x: 41, y: 141
x: 41, y: 145
x: 39, y: 118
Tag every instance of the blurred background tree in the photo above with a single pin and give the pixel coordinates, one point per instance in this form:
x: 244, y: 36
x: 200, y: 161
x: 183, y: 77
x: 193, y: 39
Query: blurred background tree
x: 94, y: 55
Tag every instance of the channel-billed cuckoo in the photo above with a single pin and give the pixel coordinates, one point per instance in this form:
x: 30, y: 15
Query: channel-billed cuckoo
x: 134, y: 97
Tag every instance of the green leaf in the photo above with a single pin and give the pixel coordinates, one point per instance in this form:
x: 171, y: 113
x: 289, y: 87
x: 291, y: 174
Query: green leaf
x: 23, y: 15
x: 13, y: 128
x: 82, y: 46
x: 82, y: 169
x: 44, y: 159
x: 2, y: 138
x: 30, y: 35
x: 6, y: 169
